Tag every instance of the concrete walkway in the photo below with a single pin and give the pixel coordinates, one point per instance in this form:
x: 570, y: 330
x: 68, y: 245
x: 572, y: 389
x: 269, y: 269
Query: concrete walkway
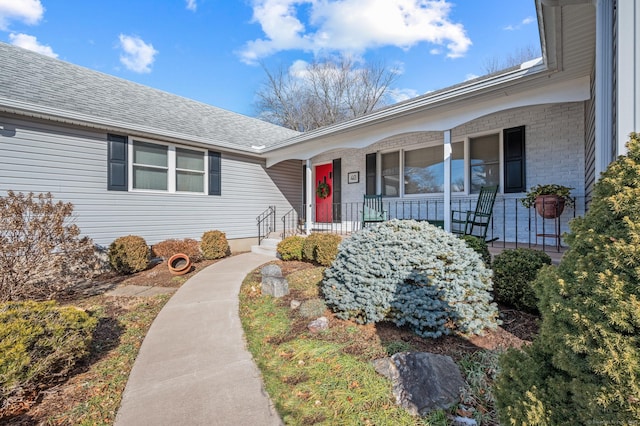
x: 193, y: 367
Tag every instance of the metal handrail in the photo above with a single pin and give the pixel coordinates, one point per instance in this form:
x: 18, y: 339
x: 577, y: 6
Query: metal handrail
x: 266, y: 223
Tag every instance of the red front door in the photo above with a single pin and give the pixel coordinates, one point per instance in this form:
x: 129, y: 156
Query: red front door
x: 324, y: 175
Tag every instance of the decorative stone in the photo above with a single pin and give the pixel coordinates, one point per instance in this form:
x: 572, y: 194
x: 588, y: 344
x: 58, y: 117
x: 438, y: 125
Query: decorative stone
x: 422, y: 382
x: 273, y: 283
x: 295, y: 304
x: 318, y: 325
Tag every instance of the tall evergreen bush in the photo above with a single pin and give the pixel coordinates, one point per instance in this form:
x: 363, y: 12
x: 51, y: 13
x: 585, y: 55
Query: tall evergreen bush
x: 411, y: 273
x: 584, y: 366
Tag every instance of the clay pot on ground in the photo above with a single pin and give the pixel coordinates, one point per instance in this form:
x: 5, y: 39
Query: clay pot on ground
x: 549, y: 206
x: 179, y: 264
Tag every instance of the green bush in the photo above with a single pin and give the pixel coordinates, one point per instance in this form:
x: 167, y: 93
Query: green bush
x: 584, y: 365
x: 291, y: 248
x: 128, y: 255
x: 327, y: 248
x: 310, y: 245
x: 479, y: 246
x: 41, y: 251
x: 513, y: 274
x: 321, y: 248
x: 167, y: 248
x: 312, y: 308
x: 411, y: 273
x: 39, y: 343
x: 214, y: 245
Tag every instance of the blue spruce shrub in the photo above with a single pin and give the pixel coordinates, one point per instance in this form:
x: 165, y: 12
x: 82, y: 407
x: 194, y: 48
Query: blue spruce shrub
x: 414, y: 274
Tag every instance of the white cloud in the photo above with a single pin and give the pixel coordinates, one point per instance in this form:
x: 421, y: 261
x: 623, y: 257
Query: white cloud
x: 27, y: 11
x: 30, y: 42
x: 138, y: 55
x: 399, y: 95
x: 471, y: 77
x: 191, y: 5
x: 353, y: 26
x: 526, y: 21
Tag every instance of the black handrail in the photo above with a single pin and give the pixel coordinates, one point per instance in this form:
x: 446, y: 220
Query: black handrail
x: 266, y: 223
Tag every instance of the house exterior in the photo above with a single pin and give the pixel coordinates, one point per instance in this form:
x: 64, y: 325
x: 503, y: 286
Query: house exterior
x: 134, y: 160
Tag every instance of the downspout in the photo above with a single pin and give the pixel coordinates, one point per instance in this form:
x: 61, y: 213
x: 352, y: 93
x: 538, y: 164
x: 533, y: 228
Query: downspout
x: 310, y: 198
x: 447, y: 180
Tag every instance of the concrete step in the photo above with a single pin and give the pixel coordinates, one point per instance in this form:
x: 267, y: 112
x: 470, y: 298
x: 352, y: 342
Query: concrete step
x: 268, y: 247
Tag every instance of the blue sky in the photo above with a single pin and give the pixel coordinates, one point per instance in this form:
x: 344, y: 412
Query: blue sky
x: 210, y: 50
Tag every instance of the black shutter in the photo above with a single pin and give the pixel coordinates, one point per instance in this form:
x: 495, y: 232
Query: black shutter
x: 371, y: 174
x: 337, y: 190
x: 215, y: 186
x: 514, y: 160
x: 304, y: 185
x: 117, y: 163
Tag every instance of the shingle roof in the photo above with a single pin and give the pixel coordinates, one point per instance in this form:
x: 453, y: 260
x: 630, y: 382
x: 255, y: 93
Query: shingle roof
x: 31, y: 80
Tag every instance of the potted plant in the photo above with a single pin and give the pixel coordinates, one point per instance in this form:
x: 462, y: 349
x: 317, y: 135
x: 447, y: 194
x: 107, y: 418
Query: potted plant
x: 549, y: 200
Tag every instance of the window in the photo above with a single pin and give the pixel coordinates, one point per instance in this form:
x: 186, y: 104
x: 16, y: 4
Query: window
x: 158, y: 167
x: 189, y: 170
x: 484, y: 163
x: 424, y: 170
x: 150, y: 166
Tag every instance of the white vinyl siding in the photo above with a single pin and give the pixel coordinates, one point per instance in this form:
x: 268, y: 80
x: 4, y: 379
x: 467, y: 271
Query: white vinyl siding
x: 71, y: 163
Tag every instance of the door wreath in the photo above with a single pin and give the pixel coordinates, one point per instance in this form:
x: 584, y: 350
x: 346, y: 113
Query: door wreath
x: 323, y: 190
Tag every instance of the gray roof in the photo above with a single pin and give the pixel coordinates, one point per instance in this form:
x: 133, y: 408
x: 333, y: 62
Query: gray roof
x: 34, y: 84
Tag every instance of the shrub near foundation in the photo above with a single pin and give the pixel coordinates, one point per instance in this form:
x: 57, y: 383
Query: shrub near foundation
x: 39, y: 343
x: 514, y: 272
x: 321, y: 248
x: 128, y: 255
x: 166, y: 249
x: 214, y: 245
x: 291, y: 248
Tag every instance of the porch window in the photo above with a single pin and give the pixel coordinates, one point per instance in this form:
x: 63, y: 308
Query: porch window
x: 424, y: 170
x: 391, y: 174
x: 484, y: 163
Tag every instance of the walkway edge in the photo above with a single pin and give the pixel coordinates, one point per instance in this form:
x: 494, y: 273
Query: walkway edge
x: 193, y: 366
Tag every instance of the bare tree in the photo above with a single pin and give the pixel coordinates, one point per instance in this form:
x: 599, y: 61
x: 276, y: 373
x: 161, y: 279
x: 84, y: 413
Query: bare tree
x: 523, y: 54
x: 323, y: 93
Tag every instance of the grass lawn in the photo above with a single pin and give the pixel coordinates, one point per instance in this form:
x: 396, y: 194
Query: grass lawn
x: 328, y: 378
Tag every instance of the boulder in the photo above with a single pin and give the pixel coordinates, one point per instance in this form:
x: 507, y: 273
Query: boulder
x: 422, y: 382
x: 318, y: 325
x: 273, y: 283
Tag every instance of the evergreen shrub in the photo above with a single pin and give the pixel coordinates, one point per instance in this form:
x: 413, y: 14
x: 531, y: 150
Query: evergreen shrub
x: 291, y: 248
x: 41, y: 251
x: 309, y: 246
x: 514, y: 272
x: 327, y: 248
x: 40, y: 343
x: 128, y: 255
x: 167, y: 248
x: 584, y: 365
x: 321, y: 248
x: 411, y: 273
x: 214, y: 245
x: 480, y: 246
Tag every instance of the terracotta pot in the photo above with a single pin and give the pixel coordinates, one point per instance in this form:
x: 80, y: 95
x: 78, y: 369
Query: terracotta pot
x: 549, y: 206
x: 179, y: 264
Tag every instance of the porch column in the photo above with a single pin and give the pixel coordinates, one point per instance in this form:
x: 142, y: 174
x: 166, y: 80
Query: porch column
x: 447, y: 180
x: 310, y: 198
x: 628, y: 81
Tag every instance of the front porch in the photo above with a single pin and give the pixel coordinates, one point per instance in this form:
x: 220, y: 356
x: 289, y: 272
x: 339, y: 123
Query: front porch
x: 511, y: 226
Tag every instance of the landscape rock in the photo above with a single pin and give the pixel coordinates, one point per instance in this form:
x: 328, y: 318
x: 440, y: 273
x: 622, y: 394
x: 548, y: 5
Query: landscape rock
x: 273, y: 283
x: 318, y: 325
x: 295, y: 304
x: 422, y: 382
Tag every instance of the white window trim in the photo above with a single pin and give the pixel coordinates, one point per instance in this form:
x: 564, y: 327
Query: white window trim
x: 171, y: 163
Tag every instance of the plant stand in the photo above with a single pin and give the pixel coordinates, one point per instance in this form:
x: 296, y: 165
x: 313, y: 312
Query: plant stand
x: 546, y: 232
